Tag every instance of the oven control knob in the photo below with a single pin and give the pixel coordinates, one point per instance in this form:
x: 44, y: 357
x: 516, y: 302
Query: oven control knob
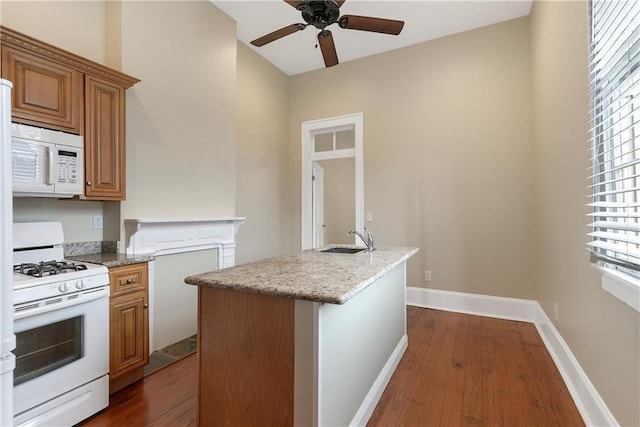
x: 80, y: 284
x: 63, y: 287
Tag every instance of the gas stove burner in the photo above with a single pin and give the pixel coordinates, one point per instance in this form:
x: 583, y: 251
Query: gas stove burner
x: 47, y: 268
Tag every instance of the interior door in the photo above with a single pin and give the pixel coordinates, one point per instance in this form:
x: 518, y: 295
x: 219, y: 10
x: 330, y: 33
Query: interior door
x: 329, y: 139
x: 317, y: 190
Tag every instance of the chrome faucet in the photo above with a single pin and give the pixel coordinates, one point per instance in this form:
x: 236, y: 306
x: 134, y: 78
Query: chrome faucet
x: 367, y: 241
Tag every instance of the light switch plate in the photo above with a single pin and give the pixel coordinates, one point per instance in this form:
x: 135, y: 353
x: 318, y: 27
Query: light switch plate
x: 98, y: 222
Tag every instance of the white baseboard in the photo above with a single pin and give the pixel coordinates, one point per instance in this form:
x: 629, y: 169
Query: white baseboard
x: 375, y: 392
x: 591, y: 406
x: 481, y: 305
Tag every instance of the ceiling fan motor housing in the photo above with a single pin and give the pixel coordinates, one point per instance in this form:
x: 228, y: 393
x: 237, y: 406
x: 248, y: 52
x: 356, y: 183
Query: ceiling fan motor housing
x: 320, y: 13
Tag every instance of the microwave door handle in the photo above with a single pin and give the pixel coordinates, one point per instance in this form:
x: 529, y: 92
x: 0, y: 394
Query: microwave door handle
x: 50, y: 171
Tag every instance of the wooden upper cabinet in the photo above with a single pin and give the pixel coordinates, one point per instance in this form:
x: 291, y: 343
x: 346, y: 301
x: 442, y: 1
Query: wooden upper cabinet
x: 45, y: 93
x: 59, y: 90
x: 105, y: 135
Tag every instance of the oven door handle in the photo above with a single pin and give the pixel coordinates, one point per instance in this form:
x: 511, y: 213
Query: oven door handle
x: 25, y: 310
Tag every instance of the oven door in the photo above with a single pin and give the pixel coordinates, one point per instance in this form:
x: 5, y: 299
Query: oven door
x: 59, y: 348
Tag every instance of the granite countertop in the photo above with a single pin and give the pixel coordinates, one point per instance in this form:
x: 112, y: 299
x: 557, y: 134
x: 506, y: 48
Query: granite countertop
x: 309, y: 275
x: 110, y: 260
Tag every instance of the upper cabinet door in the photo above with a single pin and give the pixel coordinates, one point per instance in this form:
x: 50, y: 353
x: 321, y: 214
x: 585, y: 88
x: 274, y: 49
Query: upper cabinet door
x: 45, y: 93
x: 104, y: 140
x: 56, y: 89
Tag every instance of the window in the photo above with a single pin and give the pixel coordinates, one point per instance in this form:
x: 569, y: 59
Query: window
x: 615, y: 128
x: 335, y: 140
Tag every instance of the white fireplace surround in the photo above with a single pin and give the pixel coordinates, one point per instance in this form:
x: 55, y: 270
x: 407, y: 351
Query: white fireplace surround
x: 161, y: 236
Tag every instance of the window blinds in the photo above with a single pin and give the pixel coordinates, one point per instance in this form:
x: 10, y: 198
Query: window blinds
x: 614, y: 71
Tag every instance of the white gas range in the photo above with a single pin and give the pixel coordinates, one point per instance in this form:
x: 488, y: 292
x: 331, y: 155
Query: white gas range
x: 61, y: 321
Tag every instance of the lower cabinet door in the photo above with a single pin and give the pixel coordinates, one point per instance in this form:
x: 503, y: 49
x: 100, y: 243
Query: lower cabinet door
x: 129, y: 346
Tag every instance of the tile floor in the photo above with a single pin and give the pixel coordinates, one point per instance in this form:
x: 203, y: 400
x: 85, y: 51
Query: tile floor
x: 171, y: 353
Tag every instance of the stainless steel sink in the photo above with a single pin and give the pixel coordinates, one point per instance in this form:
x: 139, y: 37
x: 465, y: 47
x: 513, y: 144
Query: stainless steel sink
x: 339, y: 250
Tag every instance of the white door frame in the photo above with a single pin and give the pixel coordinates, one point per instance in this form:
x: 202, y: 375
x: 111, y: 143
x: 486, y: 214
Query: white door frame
x: 309, y: 128
x: 319, y: 226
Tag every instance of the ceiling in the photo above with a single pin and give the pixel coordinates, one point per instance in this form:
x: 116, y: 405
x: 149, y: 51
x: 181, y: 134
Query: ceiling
x: 424, y: 20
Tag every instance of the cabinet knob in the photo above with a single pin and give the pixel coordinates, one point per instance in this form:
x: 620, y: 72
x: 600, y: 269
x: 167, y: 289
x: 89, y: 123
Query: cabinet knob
x: 129, y: 281
x: 89, y: 183
x: 146, y: 306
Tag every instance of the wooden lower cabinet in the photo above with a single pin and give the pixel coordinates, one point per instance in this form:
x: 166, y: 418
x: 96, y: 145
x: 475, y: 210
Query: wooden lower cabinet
x: 129, y: 325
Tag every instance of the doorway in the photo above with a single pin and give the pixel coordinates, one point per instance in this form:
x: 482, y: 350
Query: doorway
x: 332, y: 179
x: 317, y: 203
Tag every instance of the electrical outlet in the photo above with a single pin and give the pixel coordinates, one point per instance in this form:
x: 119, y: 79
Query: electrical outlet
x: 369, y: 216
x: 97, y: 222
x: 555, y: 311
x: 427, y: 276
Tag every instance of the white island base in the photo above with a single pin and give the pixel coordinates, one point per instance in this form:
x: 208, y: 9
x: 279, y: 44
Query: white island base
x: 270, y: 360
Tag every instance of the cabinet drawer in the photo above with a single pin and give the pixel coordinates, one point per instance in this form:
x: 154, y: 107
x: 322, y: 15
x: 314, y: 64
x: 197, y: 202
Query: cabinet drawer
x: 130, y: 278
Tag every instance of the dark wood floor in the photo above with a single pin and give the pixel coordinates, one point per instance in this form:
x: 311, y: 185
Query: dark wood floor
x: 165, y: 398
x: 462, y: 370
x: 459, y: 370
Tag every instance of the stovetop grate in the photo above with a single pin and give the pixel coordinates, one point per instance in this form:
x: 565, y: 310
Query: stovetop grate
x: 47, y: 268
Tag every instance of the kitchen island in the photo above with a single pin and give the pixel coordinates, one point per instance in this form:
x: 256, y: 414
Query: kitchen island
x: 310, y: 338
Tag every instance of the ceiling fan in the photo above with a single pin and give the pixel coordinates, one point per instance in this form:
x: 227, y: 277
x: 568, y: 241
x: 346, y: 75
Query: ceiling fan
x: 321, y: 14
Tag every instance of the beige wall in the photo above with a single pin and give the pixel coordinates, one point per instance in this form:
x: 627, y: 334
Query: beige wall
x: 261, y: 162
x: 447, y: 153
x: 601, y: 331
x: 76, y: 216
x: 76, y: 26
x: 180, y: 117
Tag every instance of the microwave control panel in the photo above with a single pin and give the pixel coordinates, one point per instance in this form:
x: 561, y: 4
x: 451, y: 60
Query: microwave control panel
x: 68, y: 172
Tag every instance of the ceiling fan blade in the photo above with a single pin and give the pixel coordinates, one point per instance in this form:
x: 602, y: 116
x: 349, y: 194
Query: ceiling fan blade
x: 366, y: 23
x: 294, y: 3
x: 278, y: 34
x: 328, y: 48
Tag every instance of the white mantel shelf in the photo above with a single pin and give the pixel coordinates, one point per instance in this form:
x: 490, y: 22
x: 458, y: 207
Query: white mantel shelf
x: 164, y: 236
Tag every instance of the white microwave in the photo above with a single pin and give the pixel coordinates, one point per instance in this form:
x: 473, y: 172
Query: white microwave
x: 46, y: 163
